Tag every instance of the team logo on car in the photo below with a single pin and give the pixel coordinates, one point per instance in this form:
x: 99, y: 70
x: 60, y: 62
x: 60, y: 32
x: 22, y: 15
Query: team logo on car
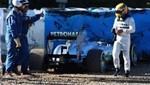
x: 63, y: 35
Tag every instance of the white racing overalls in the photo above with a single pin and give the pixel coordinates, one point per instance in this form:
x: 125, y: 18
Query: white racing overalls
x: 122, y: 41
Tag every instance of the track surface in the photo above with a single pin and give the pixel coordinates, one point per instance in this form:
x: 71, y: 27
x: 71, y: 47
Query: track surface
x: 140, y: 75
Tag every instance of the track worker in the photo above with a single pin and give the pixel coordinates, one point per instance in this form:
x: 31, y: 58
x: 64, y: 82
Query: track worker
x: 24, y: 50
x: 13, y: 30
x: 123, y: 26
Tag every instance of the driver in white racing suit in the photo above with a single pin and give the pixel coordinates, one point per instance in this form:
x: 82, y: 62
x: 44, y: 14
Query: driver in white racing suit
x: 123, y: 26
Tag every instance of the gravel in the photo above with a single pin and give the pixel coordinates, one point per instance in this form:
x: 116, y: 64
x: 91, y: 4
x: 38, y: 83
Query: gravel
x: 140, y: 74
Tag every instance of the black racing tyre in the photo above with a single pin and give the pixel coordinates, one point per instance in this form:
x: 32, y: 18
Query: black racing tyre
x: 133, y: 55
x: 36, y: 59
x: 93, y: 60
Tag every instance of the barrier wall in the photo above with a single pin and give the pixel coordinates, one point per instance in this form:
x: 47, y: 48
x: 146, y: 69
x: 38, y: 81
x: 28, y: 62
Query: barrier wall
x: 99, y: 23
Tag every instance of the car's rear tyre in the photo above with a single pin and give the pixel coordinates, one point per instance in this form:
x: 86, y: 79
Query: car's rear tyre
x: 93, y: 60
x: 36, y: 59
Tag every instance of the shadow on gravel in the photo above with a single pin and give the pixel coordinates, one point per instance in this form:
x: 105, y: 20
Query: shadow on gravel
x: 123, y: 80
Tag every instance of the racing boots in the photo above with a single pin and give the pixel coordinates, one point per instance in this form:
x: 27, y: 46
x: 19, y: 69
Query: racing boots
x: 127, y: 72
x: 117, y: 72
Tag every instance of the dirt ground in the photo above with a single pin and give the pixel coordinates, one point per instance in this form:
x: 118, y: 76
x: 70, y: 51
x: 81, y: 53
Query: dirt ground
x: 140, y: 75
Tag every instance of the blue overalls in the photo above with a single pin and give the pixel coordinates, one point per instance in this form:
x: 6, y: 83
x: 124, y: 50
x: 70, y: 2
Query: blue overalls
x: 24, y: 42
x: 13, y: 30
